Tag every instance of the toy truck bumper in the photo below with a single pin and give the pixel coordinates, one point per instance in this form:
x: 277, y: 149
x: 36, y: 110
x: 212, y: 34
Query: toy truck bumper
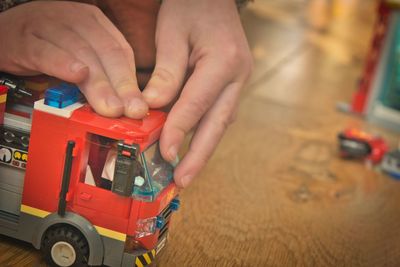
x: 144, y: 259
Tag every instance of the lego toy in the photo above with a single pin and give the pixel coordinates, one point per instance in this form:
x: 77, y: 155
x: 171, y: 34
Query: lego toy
x: 391, y: 164
x: 52, y: 190
x: 356, y: 144
x: 360, y: 97
x: 378, y: 94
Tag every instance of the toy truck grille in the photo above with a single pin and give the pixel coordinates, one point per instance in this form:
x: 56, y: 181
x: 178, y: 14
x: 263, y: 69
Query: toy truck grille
x: 166, y: 214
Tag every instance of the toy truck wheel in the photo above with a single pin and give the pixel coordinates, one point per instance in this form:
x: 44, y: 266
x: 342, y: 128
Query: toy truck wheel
x: 65, y: 246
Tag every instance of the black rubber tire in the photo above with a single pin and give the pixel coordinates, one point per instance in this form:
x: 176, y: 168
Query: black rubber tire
x: 69, y: 235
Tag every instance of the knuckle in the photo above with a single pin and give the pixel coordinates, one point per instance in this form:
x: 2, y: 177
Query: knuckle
x: 232, y: 50
x: 225, y: 119
x: 232, y: 55
x: 235, y: 55
x: 244, y: 66
x: 200, y: 105
x: 125, y: 84
x: 178, y: 129
x: 95, y: 89
x: 224, y: 122
x: 127, y: 49
x: 111, y: 46
x: 84, y: 49
x: 202, y: 160
x: 26, y: 28
x: 165, y: 76
x: 100, y: 85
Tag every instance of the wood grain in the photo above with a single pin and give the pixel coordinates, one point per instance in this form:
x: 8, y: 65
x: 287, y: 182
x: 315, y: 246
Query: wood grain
x: 275, y: 193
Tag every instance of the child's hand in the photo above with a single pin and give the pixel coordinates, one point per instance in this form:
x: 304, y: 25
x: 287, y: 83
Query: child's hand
x: 74, y: 42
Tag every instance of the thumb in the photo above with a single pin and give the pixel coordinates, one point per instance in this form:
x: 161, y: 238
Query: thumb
x: 171, y: 64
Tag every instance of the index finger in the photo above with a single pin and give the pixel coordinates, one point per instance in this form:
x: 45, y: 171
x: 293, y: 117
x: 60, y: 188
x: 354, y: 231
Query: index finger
x: 198, y: 95
x: 119, y: 67
x: 210, y: 131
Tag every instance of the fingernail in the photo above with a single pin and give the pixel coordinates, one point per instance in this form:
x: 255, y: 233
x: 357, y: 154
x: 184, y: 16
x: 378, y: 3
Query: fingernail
x: 77, y: 67
x: 175, y: 162
x: 150, y: 94
x: 136, y: 105
x: 185, y: 181
x: 114, y: 102
x: 172, y: 154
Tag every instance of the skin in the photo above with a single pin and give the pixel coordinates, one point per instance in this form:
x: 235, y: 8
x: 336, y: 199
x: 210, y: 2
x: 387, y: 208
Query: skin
x: 207, y: 38
x: 136, y: 19
x: 201, y: 57
x: 81, y: 47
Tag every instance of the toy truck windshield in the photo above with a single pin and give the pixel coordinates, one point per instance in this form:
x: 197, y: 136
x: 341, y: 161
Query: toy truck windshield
x: 158, y: 174
x: 143, y: 177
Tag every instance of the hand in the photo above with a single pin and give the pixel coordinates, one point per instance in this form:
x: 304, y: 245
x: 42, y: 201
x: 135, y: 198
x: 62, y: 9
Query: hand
x: 207, y: 37
x: 136, y: 19
x: 74, y: 42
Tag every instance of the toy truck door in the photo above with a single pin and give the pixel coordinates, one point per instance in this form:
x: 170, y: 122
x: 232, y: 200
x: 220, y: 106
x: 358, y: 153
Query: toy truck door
x: 94, y: 191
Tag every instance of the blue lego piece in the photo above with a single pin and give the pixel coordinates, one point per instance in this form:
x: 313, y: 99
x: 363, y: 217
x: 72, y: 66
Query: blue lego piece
x: 175, y: 203
x: 62, y: 96
x: 391, y: 164
x: 395, y: 175
x: 160, y: 221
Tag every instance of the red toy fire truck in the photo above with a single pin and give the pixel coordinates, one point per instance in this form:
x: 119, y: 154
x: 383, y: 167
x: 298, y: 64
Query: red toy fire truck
x: 55, y: 191
x: 357, y: 144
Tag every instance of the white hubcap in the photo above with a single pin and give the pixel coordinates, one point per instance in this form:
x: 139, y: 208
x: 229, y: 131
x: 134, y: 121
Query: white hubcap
x: 63, y: 254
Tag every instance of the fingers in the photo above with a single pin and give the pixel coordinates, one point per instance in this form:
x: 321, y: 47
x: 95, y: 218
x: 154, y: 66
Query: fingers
x: 116, y: 57
x: 198, y: 95
x: 77, y: 43
x: 42, y: 56
x: 171, y: 64
x: 208, y: 135
x: 110, y: 27
x: 111, y: 87
x: 97, y: 87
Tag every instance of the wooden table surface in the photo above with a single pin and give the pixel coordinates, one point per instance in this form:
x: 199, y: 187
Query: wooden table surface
x: 275, y: 193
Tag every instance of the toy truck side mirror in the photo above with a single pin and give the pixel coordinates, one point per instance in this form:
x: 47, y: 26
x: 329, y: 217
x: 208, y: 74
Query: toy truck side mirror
x: 127, y: 168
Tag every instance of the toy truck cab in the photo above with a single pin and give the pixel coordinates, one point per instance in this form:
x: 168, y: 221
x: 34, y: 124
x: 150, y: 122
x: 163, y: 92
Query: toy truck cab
x: 95, y: 190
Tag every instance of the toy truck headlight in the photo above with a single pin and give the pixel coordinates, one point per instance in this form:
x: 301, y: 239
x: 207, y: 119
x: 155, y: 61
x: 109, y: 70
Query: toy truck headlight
x: 145, y: 227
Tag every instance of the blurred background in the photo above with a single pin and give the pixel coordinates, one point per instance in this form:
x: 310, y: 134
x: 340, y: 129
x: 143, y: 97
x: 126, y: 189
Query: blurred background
x: 276, y: 192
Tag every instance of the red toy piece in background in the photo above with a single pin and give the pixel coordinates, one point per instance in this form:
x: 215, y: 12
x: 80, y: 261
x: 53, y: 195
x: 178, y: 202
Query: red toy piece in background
x: 360, y: 97
x: 356, y: 144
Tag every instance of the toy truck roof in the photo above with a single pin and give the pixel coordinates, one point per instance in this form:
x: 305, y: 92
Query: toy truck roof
x: 64, y: 102
x: 122, y: 125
